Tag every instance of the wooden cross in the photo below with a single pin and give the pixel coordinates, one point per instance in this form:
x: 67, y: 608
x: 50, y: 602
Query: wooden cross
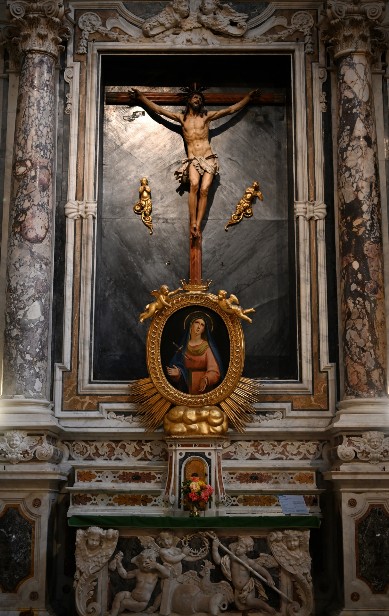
x: 169, y: 98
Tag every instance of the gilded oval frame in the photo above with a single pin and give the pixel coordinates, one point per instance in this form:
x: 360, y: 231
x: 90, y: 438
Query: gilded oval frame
x: 236, y: 355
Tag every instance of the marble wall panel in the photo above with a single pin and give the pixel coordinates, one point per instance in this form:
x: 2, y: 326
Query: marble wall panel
x: 16, y: 549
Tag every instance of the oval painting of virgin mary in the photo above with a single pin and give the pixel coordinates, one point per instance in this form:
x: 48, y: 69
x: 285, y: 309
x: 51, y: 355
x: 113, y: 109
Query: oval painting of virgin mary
x: 195, y: 350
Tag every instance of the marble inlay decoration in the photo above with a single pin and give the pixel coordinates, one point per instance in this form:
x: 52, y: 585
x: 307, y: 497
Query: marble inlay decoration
x: 16, y: 549
x: 372, y: 538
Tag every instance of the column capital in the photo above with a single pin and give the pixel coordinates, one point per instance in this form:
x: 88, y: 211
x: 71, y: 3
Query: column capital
x: 39, y: 25
x: 348, y: 25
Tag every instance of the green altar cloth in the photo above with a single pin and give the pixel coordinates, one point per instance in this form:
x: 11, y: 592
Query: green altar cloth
x: 140, y: 521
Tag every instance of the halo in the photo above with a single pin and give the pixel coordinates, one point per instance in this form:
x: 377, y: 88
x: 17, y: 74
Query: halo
x: 202, y: 315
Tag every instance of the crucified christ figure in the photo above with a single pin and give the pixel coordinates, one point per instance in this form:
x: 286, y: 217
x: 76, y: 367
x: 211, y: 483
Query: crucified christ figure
x: 201, y: 164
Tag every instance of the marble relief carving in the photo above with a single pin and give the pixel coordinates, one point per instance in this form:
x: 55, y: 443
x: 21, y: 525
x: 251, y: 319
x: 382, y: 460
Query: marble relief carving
x: 94, y: 547
x: 187, y: 22
x: 273, y: 450
x: 372, y: 447
x: 197, y: 572
x: 18, y: 446
x: 117, y: 450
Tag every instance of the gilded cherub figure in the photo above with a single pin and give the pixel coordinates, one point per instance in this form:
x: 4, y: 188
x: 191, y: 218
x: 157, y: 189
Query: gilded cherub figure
x: 230, y: 305
x: 161, y: 295
x: 245, y: 205
x: 143, y: 207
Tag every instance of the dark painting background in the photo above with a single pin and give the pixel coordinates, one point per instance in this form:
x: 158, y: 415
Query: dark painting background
x: 254, y: 260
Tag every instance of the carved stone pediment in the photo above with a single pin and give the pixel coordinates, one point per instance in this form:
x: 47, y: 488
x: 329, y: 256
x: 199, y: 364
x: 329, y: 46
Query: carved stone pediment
x: 186, y: 22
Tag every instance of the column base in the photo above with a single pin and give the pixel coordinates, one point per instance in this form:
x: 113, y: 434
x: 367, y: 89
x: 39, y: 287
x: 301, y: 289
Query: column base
x: 366, y: 413
x: 19, y: 412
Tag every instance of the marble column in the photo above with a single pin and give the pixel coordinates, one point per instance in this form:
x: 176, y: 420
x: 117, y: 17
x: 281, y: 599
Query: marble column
x: 360, y: 238
x: 39, y: 29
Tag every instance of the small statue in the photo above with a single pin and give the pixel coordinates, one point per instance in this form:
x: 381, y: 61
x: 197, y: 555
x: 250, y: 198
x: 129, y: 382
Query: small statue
x: 231, y: 306
x: 237, y: 567
x: 94, y: 547
x: 161, y: 296
x: 146, y: 576
x: 144, y: 207
x: 221, y: 18
x: 245, y: 205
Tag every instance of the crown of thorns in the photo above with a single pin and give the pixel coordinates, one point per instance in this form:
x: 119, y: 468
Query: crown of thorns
x: 189, y: 91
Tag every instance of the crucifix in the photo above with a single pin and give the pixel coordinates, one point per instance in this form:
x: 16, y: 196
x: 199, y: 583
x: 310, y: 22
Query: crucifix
x: 201, y: 164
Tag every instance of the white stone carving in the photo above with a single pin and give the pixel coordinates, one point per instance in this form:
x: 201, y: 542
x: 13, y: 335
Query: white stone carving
x: 94, y: 547
x: 80, y: 209
x: 274, y: 450
x: 117, y: 450
x: 371, y: 447
x: 301, y: 21
x: 347, y: 25
x: 17, y: 446
x: 183, y: 23
x: 310, y: 209
x: 291, y: 550
x: 91, y: 22
x: 68, y: 76
x: 39, y: 25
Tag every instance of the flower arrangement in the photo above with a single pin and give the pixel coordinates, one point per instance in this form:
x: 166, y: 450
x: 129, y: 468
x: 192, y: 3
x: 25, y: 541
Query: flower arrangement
x: 196, y: 494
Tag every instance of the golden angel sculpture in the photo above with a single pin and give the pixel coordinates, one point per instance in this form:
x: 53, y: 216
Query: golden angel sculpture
x: 230, y: 305
x: 161, y: 296
x: 143, y: 207
x: 245, y: 205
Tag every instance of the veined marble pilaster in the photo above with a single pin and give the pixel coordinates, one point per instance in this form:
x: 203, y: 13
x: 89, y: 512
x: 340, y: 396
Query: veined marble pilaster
x: 29, y: 270
x: 361, y: 255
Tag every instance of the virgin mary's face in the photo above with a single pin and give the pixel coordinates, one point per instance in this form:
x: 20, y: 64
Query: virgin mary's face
x: 198, y: 326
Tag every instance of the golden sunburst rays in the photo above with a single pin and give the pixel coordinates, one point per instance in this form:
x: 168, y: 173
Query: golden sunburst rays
x: 238, y: 406
x: 152, y: 405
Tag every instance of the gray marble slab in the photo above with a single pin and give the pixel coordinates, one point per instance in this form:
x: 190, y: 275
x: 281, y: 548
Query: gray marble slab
x: 251, y: 260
